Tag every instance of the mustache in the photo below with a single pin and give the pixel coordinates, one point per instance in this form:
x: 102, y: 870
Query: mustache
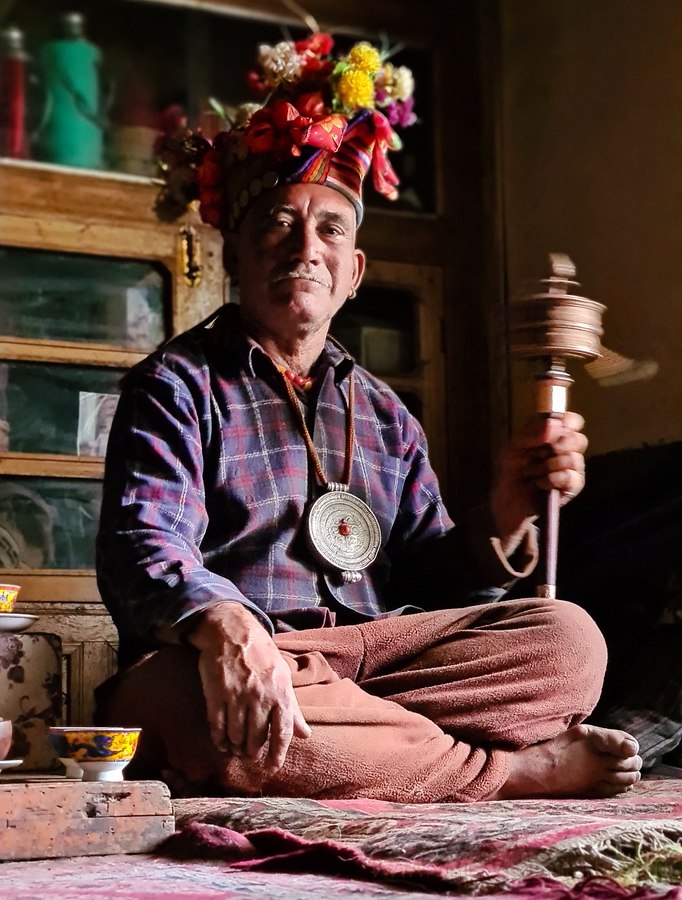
x: 305, y: 274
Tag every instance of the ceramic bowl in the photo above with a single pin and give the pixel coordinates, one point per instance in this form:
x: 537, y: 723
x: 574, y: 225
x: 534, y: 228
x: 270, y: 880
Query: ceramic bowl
x: 94, y: 754
x: 8, y: 597
x: 5, y: 737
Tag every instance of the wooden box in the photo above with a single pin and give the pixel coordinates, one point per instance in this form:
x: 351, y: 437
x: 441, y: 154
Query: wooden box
x: 57, y: 818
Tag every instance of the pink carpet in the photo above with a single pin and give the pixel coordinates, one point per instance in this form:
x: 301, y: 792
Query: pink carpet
x: 631, y: 845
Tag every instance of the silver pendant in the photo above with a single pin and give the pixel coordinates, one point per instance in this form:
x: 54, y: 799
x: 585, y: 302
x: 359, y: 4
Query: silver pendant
x: 343, y: 532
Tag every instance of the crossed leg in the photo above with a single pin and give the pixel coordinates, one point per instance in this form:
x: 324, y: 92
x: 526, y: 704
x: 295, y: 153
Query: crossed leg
x: 452, y: 705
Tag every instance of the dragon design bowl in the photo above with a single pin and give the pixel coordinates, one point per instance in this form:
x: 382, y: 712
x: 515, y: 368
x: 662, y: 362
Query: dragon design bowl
x: 94, y: 754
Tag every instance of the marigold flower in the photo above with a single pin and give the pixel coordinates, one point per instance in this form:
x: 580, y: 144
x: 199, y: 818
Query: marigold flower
x: 356, y: 89
x: 366, y: 57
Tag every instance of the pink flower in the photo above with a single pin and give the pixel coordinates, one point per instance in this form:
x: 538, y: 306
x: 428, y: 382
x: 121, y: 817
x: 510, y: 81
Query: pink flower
x: 400, y: 112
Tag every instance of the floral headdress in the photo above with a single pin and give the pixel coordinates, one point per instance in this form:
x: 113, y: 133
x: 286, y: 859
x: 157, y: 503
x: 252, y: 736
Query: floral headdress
x: 320, y: 119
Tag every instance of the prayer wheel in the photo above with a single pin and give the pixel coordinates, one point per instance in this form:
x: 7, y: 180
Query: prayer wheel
x: 548, y: 326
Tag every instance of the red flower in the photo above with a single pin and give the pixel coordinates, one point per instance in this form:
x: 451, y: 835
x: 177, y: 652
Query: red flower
x: 311, y: 104
x: 258, y: 86
x: 315, y: 69
x: 211, y: 189
x: 318, y: 44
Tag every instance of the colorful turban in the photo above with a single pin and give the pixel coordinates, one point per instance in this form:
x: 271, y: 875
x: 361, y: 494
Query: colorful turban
x: 319, y: 125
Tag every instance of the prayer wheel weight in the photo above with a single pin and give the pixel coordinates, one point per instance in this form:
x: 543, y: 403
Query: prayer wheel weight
x: 548, y: 326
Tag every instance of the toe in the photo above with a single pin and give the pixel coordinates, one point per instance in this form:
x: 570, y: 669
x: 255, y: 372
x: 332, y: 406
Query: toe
x: 627, y: 764
x: 624, y: 779
x: 612, y: 741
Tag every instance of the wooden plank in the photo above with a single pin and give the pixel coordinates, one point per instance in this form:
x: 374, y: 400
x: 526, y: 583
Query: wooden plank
x: 48, y: 465
x: 82, y: 799
x: 53, y: 586
x: 53, y: 837
x: 48, y: 819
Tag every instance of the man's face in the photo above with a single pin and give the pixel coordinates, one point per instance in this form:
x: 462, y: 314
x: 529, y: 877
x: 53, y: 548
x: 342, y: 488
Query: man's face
x: 296, y: 260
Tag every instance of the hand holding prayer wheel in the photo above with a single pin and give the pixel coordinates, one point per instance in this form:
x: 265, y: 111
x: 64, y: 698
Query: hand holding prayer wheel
x: 549, y: 326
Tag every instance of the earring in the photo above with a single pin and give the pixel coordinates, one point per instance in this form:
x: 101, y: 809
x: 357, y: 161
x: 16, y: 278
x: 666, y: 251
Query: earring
x: 353, y: 294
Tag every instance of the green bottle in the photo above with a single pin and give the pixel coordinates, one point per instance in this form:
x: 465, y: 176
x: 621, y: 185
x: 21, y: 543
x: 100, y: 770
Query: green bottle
x: 72, y: 130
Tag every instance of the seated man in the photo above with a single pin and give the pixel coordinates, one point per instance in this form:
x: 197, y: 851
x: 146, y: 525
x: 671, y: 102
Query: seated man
x: 297, y: 613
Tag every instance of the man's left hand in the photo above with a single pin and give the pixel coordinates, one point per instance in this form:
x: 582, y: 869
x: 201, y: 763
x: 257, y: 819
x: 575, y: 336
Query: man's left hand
x: 549, y: 453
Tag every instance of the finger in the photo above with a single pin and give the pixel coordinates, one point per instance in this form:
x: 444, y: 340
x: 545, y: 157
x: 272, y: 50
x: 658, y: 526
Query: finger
x: 568, y: 442
x: 560, y: 468
x: 568, y: 483
x: 258, y: 731
x: 574, y: 421
x: 217, y: 727
x: 565, y: 462
x: 281, y: 734
x: 548, y: 429
x: 301, y: 727
x: 236, y: 728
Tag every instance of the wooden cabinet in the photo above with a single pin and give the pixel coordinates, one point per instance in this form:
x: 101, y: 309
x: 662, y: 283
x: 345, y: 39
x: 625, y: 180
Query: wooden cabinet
x: 411, y: 294
x: 91, y: 282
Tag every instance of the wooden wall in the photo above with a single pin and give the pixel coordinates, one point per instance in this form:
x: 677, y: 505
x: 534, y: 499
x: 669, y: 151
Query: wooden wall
x: 592, y: 166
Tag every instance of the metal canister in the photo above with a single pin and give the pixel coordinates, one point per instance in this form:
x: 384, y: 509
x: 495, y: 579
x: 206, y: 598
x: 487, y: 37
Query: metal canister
x: 13, y: 63
x: 72, y: 130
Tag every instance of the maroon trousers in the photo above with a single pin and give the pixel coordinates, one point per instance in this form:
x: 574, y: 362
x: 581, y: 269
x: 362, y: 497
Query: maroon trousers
x: 418, y: 708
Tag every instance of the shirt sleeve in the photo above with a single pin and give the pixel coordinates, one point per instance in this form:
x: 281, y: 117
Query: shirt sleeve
x: 149, y: 564
x: 437, y: 564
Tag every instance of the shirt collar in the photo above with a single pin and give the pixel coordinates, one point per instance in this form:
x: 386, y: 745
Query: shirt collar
x: 226, y: 335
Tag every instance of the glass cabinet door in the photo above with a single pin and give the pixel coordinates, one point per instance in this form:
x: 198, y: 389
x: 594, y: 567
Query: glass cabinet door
x: 70, y: 326
x: 48, y: 523
x: 87, y: 299
x: 60, y: 409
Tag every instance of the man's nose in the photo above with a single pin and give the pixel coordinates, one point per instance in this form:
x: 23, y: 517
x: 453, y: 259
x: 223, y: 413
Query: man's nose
x: 305, y: 243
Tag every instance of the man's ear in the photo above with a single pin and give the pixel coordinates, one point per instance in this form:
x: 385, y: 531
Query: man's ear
x: 230, y: 256
x: 359, y: 263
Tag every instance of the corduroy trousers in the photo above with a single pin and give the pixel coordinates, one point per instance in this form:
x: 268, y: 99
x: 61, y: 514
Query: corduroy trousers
x: 416, y: 708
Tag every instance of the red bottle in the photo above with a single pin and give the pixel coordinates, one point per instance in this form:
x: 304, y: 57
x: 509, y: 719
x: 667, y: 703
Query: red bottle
x: 13, y: 61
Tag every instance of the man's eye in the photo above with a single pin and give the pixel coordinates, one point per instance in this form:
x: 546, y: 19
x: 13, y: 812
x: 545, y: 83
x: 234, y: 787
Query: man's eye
x: 276, y: 224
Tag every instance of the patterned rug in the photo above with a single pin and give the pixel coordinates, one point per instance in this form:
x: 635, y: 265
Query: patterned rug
x: 629, y: 846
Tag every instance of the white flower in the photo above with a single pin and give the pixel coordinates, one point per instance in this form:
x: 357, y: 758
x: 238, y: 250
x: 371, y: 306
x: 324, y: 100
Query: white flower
x: 243, y: 113
x: 403, y: 83
x: 280, y: 63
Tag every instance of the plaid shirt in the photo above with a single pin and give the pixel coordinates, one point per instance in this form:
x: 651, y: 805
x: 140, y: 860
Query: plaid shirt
x: 207, y: 479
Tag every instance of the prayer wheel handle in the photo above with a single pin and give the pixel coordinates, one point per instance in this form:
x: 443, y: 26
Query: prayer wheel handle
x: 549, y: 325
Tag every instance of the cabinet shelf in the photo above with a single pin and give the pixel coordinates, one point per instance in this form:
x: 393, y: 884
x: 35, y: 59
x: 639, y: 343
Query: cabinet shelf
x: 51, y: 465
x: 74, y: 586
x: 67, y: 352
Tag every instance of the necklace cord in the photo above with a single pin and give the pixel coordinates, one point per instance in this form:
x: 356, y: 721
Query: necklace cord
x: 297, y: 407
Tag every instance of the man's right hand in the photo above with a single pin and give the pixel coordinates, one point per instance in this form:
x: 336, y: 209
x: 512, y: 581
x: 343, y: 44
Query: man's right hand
x: 250, y: 701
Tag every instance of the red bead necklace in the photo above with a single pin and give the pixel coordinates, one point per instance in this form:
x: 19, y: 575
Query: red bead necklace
x: 305, y: 382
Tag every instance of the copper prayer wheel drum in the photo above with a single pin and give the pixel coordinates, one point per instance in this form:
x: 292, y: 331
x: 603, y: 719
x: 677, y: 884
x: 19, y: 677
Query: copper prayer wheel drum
x: 554, y: 322
x: 549, y: 326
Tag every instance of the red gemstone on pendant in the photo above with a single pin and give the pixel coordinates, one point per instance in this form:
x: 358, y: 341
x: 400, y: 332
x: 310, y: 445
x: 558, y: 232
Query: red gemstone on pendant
x: 344, y: 528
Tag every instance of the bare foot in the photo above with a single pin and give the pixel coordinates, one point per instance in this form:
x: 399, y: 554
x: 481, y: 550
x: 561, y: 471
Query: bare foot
x: 585, y: 761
